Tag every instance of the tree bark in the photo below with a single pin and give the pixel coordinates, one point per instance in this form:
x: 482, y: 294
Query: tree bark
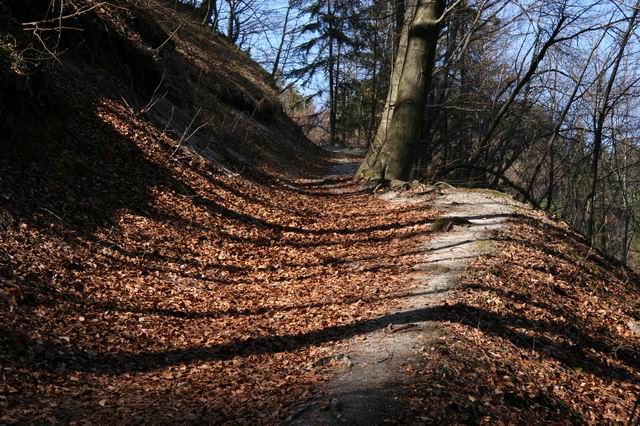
x: 336, y: 94
x: 380, y: 137
x: 550, y: 188
x: 276, y: 63
x: 332, y: 94
x: 604, y: 110
x: 207, y: 9
x: 396, y: 156
x: 374, y: 90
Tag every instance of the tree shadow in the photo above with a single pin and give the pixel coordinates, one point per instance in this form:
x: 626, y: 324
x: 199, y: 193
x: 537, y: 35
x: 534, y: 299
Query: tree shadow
x: 77, y: 172
x: 575, y: 348
x: 84, y: 305
x: 581, y: 251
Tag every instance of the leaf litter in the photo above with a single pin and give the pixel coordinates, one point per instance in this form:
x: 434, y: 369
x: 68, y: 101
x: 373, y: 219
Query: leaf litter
x: 213, y: 299
x: 539, y: 332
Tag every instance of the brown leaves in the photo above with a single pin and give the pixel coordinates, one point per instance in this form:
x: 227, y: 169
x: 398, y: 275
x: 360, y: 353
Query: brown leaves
x: 211, y: 307
x: 544, y: 337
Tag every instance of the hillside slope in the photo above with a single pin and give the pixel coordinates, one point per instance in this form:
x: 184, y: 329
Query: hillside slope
x: 150, y: 273
x: 146, y: 63
x: 146, y: 277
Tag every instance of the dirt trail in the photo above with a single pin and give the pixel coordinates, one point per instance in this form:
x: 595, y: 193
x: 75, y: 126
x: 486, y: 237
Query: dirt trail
x: 371, y: 384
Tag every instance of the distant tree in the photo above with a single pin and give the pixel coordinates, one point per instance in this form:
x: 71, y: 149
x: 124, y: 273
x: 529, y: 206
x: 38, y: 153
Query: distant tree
x: 209, y: 13
x: 329, y: 35
x: 604, y: 108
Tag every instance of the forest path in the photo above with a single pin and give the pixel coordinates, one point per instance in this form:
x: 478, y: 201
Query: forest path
x: 371, y: 382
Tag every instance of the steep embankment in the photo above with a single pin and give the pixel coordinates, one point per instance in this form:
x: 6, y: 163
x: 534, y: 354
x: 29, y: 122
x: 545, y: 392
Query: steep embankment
x: 134, y: 64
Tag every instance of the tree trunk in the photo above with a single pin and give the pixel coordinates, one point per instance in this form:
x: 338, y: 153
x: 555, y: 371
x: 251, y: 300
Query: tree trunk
x: 230, y: 20
x: 436, y: 115
x: 332, y: 94
x: 207, y: 8
x: 604, y: 110
x: 276, y: 63
x: 336, y: 94
x: 374, y: 90
x: 380, y: 137
x: 552, y: 165
x: 396, y: 156
x: 625, y: 237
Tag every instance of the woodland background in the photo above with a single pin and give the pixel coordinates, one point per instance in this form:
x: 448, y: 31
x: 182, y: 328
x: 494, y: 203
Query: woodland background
x: 174, y: 249
x: 538, y: 98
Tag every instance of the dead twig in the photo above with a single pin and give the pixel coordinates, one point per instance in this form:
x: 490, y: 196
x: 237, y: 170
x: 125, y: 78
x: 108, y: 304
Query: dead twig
x: 157, y: 49
x: 81, y: 11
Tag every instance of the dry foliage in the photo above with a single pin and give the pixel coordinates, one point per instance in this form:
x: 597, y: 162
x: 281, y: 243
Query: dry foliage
x: 542, y: 331
x: 156, y: 289
x: 143, y: 283
x: 140, y: 282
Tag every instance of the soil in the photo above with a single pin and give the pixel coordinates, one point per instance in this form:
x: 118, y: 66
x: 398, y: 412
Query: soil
x: 373, y: 377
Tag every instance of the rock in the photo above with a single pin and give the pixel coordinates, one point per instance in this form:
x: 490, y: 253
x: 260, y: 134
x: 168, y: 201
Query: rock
x: 398, y: 184
x: 339, y: 358
x: 445, y: 224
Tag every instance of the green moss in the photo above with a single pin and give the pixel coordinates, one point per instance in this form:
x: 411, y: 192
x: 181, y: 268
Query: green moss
x: 601, y: 291
x: 444, y: 185
x: 492, y: 192
x: 181, y: 188
x: 577, y: 417
x: 484, y: 244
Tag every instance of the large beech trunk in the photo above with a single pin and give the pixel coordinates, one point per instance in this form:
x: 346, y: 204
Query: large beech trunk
x: 380, y: 137
x: 391, y: 155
